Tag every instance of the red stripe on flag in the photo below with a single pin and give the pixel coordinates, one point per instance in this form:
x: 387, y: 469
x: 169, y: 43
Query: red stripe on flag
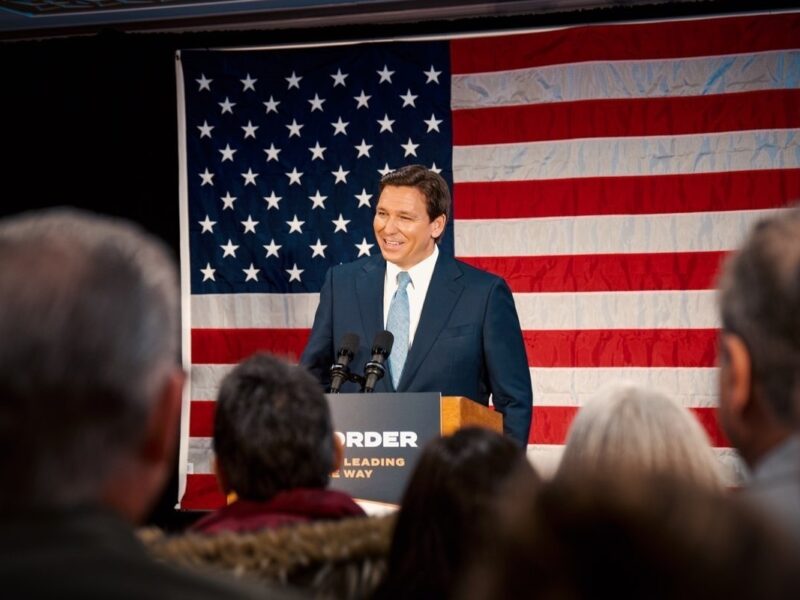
x: 605, y: 272
x: 651, y: 194
x: 708, y: 419
x: 621, y: 348
x: 202, y: 493
x: 641, y: 41
x: 627, y: 117
x: 201, y: 418
x: 229, y: 346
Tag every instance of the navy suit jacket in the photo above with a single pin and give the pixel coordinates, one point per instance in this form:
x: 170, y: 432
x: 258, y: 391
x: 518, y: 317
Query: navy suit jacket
x: 468, y: 341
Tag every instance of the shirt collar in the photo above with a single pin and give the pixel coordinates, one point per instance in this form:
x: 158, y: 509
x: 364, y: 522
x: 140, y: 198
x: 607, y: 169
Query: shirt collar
x: 423, y: 270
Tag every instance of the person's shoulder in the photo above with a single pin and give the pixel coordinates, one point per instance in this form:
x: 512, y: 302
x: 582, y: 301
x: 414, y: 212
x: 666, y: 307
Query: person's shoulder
x: 357, y: 266
x: 474, y: 275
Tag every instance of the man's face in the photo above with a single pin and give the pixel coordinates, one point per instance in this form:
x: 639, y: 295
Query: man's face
x: 404, y: 232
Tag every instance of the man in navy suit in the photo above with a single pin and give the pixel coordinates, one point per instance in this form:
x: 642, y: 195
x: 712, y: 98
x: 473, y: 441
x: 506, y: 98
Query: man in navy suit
x: 461, y: 326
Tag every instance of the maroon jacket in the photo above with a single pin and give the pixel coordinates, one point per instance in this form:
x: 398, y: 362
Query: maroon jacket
x: 292, y: 506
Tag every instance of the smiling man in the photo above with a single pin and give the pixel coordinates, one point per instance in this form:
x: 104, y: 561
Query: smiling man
x: 455, y: 327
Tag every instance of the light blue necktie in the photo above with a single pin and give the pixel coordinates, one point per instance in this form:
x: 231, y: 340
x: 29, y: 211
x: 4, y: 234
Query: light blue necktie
x: 398, y: 324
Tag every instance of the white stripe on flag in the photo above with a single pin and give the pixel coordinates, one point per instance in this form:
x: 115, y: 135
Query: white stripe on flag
x: 279, y: 311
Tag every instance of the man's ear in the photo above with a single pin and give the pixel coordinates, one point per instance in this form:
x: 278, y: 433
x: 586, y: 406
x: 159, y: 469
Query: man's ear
x: 737, y: 373
x: 161, y: 436
x: 338, y: 453
x: 438, y: 225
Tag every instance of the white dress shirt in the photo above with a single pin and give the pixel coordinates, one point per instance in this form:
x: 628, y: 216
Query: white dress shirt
x: 420, y: 275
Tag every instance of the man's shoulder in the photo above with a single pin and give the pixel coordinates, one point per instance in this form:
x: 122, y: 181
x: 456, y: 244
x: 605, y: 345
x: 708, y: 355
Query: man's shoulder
x: 359, y: 265
x: 472, y: 274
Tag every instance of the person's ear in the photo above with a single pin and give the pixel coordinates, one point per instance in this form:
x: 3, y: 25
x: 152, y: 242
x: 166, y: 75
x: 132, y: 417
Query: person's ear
x: 222, y: 481
x: 737, y: 372
x: 161, y: 436
x: 338, y: 453
x: 437, y: 226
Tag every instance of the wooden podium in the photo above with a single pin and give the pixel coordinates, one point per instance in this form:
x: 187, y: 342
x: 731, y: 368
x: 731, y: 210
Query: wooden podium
x: 458, y: 411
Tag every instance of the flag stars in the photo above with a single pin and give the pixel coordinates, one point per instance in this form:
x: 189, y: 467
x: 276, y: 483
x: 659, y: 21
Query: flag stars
x: 272, y: 152
x: 363, y: 198
x: 250, y: 130
x: 249, y: 83
x: 362, y: 99
x: 207, y: 224
x: 410, y: 148
x: 363, y: 148
x: 207, y: 177
x: 208, y: 272
x: 272, y: 105
x: 385, y: 170
x: 436, y: 169
x: 432, y: 75
x: 205, y: 129
x: 294, y: 176
x: 340, y: 223
x: 272, y: 248
x: 272, y: 201
x: 295, y: 225
x: 294, y: 128
x: 316, y: 103
x: 205, y: 84
x: 249, y: 225
x: 386, y: 75
x: 227, y: 153
x: 409, y: 98
x: 294, y: 81
x: 318, y: 200
x: 251, y: 273
x: 227, y: 201
x: 294, y: 273
x: 229, y: 249
x: 386, y: 123
x: 317, y: 152
x: 340, y: 127
x: 433, y: 123
x: 364, y: 248
x: 249, y: 177
x: 227, y: 106
x: 340, y: 175
x: 338, y: 78
x: 318, y: 249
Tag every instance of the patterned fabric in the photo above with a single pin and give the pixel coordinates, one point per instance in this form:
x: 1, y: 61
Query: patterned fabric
x: 397, y: 323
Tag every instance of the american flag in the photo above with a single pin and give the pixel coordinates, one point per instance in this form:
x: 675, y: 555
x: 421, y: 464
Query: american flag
x: 603, y: 171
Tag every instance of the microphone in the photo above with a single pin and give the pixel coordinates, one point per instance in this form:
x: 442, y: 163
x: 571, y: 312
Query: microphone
x: 374, y: 369
x: 339, y: 370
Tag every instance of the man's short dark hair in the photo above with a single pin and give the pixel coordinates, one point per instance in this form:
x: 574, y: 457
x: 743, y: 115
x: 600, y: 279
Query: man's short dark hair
x: 431, y: 184
x: 272, y: 429
x: 760, y: 302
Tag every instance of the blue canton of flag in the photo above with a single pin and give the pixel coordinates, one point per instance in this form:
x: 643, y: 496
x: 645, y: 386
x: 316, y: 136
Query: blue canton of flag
x: 285, y: 151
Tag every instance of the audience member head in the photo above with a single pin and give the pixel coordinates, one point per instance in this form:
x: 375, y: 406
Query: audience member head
x: 654, y: 536
x: 432, y: 186
x: 759, y: 347
x: 89, y: 375
x: 626, y: 430
x: 272, y: 430
x: 453, y: 486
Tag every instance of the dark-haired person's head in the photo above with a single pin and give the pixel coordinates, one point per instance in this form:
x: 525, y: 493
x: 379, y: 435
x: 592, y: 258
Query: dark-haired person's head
x: 272, y: 430
x: 453, y: 488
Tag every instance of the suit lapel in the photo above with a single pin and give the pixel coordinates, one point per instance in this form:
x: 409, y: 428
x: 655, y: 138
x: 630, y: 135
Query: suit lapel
x: 369, y: 292
x: 443, y: 293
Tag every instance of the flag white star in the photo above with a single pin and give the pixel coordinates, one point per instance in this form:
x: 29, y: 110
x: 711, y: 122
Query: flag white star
x: 385, y: 170
x: 229, y: 249
x: 249, y: 177
x: 227, y: 201
x: 248, y: 83
x: 410, y: 148
x: 272, y: 105
x: 207, y: 225
x: 272, y: 201
x: 272, y: 248
x: 338, y: 78
x: 436, y: 169
x: 249, y: 225
x: 272, y: 152
x: 294, y: 176
x: 386, y: 74
x: 362, y: 99
x: 227, y: 106
x: 385, y: 123
x: 340, y: 174
x: 207, y: 177
x: 433, y: 75
x: 295, y: 225
x: 208, y: 272
x: 294, y: 273
x: 249, y: 130
x: 317, y: 152
x: 363, y: 198
x: 294, y: 128
x: 205, y: 129
x: 340, y: 127
x: 341, y: 224
x: 363, y: 248
x: 318, y: 249
x: 316, y: 103
x: 409, y: 98
x: 318, y: 200
x: 363, y: 149
x: 432, y: 123
x: 227, y: 153
x: 205, y: 84
x: 252, y: 273
x: 294, y: 81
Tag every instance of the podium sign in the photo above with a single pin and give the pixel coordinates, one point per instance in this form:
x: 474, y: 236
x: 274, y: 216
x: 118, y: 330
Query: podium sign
x: 383, y: 435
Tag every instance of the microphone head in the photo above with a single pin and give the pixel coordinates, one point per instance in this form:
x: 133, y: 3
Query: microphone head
x: 383, y: 343
x: 349, y: 344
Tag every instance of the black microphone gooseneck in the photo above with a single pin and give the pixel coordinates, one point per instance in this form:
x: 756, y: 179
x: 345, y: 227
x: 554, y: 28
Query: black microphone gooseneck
x: 340, y: 372
x: 374, y: 369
